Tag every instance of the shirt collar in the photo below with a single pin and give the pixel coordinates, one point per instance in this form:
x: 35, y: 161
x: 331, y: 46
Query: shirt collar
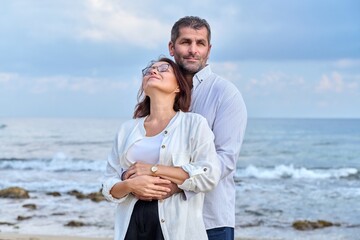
x: 201, y: 76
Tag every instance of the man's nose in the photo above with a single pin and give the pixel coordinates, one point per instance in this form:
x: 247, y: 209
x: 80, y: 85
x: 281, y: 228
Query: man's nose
x: 192, y: 48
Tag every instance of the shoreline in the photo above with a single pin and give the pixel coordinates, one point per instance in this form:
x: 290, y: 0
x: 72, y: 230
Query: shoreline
x: 22, y: 236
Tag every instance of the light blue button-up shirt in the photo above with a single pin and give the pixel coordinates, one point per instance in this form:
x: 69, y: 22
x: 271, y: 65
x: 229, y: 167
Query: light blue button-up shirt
x: 221, y: 103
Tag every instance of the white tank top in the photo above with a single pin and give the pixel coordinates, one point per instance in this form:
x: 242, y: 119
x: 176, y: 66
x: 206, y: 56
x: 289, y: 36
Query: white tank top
x: 147, y: 150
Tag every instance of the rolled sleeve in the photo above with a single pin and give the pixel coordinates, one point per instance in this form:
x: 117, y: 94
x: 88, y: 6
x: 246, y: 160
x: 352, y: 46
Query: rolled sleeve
x: 107, y: 186
x: 204, y: 167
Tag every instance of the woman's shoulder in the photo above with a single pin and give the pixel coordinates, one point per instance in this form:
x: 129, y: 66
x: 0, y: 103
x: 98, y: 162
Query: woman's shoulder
x: 129, y: 124
x: 193, y: 117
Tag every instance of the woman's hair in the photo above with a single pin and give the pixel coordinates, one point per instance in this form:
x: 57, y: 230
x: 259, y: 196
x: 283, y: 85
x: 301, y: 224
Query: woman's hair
x: 182, y: 98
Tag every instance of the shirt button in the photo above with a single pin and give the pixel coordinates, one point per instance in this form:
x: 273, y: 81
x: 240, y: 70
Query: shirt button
x: 205, y: 169
x: 163, y: 146
x: 162, y: 220
x: 166, y: 132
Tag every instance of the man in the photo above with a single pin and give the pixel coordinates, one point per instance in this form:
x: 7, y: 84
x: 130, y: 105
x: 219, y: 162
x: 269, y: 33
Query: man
x: 220, y: 102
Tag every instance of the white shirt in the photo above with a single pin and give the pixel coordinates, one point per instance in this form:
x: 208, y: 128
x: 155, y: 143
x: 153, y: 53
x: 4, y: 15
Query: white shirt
x: 188, y: 142
x: 221, y: 103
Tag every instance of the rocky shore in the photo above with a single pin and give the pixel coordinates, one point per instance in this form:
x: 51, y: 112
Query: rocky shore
x: 30, y: 210
x: 21, y: 193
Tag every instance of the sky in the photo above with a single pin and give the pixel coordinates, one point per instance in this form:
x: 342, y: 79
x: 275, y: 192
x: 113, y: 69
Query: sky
x: 83, y: 58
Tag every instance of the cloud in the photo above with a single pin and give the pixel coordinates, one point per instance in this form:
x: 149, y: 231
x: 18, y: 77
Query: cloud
x: 109, y: 21
x: 228, y: 70
x: 335, y: 83
x: 6, y: 77
x: 275, y: 81
x: 347, y: 63
x: 56, y: 84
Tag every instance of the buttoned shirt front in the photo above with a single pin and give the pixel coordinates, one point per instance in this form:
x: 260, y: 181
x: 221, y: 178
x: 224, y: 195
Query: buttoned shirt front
x: 188, y: 143
x: 221, y: 103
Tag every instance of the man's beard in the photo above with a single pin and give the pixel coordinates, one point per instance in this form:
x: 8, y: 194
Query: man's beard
x: 190, y: 68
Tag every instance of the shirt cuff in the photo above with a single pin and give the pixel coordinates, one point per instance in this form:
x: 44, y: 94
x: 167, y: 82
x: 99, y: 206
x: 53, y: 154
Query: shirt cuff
x: 107, y: 186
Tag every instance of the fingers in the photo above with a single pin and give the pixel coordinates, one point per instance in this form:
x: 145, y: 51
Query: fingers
x: 159, y: 181
x: 138, y: 169
x: 149, y: 194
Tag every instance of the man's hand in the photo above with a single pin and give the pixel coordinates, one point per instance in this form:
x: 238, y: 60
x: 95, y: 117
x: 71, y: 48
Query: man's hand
x: 173, y: 189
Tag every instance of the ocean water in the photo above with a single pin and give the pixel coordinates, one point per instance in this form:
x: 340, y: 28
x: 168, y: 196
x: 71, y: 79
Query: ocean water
x: 288, y: 170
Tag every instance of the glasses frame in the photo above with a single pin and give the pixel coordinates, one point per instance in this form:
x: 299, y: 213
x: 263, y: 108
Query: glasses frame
x: 161, y: 68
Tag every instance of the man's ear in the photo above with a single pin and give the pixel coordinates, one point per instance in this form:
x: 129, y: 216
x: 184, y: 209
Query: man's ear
x: 171, y: 48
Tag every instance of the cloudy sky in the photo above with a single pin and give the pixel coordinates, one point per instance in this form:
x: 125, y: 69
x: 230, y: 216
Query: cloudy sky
x: 83, y: 58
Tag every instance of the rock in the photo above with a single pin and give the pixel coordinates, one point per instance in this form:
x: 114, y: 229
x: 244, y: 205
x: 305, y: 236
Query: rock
x: 96, y: 197
x: 309, y: 225
x: 75, y: 224
x: 77, y: 194
x: 30, y: 206
x: 7, y: 223
x: 54, y: 194
x: 21, y: 218
x: 59, y: 214
x: 14, y: 192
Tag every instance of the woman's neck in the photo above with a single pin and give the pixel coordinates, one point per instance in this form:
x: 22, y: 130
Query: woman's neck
x: 161, y: 113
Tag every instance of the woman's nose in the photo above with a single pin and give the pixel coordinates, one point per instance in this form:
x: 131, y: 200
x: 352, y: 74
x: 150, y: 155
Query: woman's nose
x: 153, y: 71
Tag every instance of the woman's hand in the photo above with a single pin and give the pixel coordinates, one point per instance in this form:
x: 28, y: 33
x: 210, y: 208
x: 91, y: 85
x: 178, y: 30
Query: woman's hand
x: 138, y: 169
x: 149, y: 187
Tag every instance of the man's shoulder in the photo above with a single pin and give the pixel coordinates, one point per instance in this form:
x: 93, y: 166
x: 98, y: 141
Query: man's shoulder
x: 223, y: 83
x: 220, y: 86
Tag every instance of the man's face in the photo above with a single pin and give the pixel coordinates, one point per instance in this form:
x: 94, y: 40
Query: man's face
x: 191, y: 49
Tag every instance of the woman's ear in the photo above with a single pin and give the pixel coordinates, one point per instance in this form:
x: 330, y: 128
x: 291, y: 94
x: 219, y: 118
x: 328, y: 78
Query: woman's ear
x: 177, y: 90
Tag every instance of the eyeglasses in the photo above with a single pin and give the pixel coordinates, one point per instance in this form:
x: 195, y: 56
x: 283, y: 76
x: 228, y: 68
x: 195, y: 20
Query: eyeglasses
x: 161, y: 68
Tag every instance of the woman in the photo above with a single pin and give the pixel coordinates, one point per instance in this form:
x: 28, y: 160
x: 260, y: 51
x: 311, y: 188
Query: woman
x: 162, y: 144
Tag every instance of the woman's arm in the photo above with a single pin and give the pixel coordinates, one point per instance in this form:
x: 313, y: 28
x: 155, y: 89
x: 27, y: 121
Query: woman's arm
x: 175, y: 174
x: 146, y: 186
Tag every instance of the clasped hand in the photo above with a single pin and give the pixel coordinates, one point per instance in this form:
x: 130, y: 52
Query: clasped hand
x: 150, y: 187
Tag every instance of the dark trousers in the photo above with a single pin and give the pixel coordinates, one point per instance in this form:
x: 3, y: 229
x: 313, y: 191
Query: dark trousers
x: 144, y: 223
x: 223, y: 233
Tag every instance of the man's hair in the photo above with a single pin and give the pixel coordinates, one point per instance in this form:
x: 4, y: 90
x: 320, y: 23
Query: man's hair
x: 182, y: 99
x: 192, y: 22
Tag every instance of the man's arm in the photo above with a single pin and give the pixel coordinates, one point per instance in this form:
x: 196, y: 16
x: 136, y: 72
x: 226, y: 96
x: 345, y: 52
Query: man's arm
x: 229, y: 130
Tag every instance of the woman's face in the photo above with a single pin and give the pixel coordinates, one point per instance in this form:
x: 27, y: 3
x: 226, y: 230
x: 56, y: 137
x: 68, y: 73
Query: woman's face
x: 159, y: 77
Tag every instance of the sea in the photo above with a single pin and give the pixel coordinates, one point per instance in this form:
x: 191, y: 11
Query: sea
x: 289, y: 170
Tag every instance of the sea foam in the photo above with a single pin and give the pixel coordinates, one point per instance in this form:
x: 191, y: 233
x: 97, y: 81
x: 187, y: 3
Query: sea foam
x: 289, y: 171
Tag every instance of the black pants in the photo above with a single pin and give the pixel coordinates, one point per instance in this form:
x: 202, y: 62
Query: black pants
x: 144, y: 223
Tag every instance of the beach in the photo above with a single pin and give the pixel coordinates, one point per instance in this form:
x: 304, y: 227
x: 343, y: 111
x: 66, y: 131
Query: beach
x: 12, y: 236
x: 289, y: 170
